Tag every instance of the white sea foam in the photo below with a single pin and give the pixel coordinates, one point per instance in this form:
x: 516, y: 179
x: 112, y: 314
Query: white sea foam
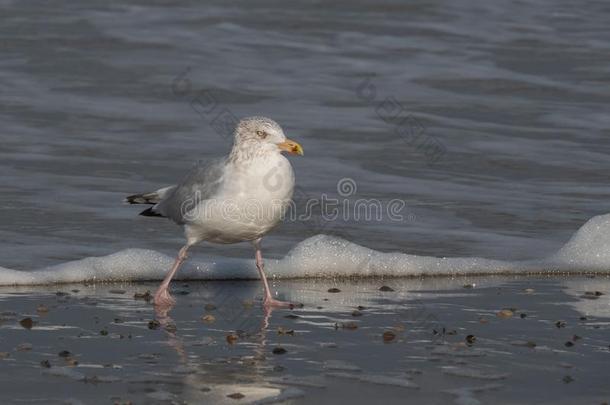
x: 326, y: 256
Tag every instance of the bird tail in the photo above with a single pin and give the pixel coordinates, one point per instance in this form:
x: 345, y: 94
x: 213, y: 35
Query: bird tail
x: 149, y: 198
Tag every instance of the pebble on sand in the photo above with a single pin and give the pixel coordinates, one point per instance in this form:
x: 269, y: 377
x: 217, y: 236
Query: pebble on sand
x: 26, y: 323
x: 505, y: 314
x: 388, y: 336
x: 154, y: 324
x: 278, y: 350
x: 592, y: 295
x: 334, y: 290
x: 385, y: 288
x: 236, y: 395
x: 146, y: 296
x: 232, y: 338
x: 283, y: 331
x: 208, y: 318
x: 42, y: 309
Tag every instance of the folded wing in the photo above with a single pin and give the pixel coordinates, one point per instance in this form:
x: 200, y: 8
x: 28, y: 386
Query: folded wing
x: 174, y: 202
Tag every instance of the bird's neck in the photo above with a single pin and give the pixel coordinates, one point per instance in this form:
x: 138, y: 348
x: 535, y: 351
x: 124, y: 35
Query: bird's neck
x: 246, y: 152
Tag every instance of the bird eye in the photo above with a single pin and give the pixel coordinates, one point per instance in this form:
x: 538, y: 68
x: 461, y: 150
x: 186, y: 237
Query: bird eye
x: 261, y: 134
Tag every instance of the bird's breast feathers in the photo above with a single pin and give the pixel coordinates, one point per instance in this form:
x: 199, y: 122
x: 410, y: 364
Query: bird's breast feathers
x: 251, y: 201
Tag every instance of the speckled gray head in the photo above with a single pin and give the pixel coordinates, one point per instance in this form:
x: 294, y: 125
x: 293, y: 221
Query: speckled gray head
x: 264, y: 133
x: 260, y: 128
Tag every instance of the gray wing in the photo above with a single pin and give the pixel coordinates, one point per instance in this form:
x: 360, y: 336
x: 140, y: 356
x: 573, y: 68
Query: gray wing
x: 201, y: 183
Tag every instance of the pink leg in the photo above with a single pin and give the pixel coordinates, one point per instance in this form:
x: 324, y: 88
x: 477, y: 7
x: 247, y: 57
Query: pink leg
x: 268, y: 301
x: 162, y: 298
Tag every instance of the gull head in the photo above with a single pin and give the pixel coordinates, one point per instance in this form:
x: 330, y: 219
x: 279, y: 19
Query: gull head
x: 264, y: 134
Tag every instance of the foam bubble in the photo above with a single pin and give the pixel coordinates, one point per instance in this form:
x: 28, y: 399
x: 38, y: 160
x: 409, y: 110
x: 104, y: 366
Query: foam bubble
x: 588, y: 249
x: 326, y: 256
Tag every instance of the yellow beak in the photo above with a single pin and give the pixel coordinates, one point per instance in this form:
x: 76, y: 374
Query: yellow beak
x: 291, y: 147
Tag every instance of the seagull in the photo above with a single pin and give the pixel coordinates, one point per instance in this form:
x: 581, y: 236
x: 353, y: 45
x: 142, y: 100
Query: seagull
x: 238, y: 198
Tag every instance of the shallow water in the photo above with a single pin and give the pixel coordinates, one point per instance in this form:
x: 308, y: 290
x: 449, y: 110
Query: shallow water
x: 515, y: 93
x: 407, y: 344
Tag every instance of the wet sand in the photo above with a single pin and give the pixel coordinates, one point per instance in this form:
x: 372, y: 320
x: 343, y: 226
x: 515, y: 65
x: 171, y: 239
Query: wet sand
x: 463, y: 340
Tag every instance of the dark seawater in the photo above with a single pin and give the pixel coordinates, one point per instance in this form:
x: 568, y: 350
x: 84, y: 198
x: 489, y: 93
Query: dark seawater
x: 515, y: 95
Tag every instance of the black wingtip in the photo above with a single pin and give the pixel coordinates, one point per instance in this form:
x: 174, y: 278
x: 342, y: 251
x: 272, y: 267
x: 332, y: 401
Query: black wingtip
x: 148, y: 212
